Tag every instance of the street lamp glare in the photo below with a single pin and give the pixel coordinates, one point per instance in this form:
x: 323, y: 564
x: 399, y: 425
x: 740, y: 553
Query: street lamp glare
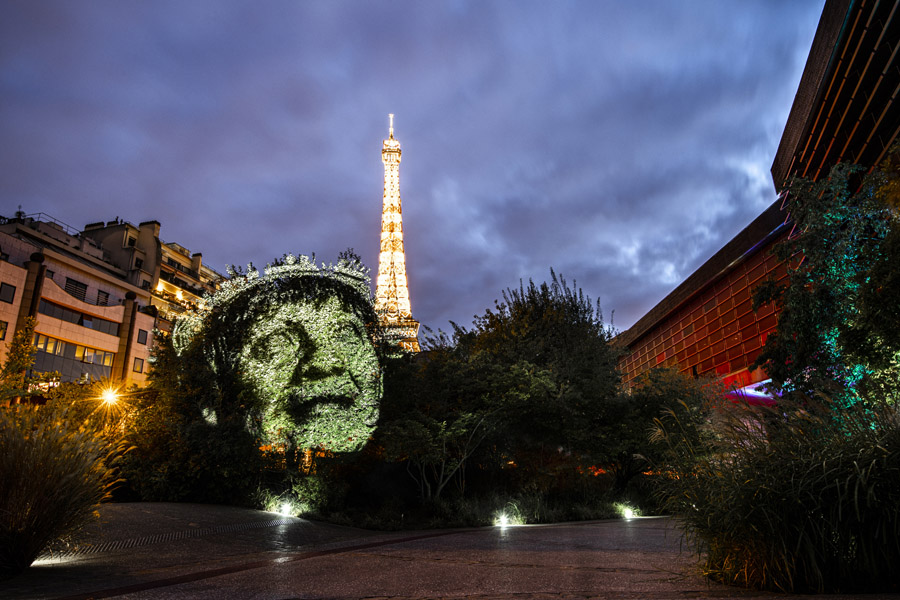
x: 109, y: 397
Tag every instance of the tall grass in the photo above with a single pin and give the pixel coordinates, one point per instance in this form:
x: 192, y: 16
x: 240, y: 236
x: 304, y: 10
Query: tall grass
x: 791, y: 498
x: 53, y: 474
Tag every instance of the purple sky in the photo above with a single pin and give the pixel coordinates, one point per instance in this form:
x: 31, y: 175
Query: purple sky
x: 620, y: 143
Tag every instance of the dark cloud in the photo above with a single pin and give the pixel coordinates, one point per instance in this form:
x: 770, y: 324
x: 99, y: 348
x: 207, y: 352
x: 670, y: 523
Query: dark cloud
x: 620, y: 144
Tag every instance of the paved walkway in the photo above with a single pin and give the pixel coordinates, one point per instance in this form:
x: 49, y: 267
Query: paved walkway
x: 146, y: 551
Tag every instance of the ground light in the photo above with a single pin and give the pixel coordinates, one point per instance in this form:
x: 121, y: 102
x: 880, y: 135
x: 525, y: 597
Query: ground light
x: 510, y: 515
x: 626, y: 511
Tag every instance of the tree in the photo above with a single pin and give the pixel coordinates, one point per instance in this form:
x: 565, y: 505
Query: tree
x: 526, y: 390
x: 14, y: 376
x: 839, y: 321
x: 557, y: 332
x: 439, y: 411
x: 658, y: 392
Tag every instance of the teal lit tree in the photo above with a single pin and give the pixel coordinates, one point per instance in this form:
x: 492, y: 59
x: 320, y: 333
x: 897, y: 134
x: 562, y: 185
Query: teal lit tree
x: 838, y: 327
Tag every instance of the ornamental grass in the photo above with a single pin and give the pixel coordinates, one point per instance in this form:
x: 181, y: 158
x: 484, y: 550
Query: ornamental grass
x: 53, y: 475
x: 791, y: 498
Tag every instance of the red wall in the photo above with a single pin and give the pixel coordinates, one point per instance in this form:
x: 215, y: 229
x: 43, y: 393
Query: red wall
x: 715, y: 332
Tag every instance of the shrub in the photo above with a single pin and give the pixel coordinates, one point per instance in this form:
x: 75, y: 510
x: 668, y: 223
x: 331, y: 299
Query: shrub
x: 53, y: 474
x: 792, y: 498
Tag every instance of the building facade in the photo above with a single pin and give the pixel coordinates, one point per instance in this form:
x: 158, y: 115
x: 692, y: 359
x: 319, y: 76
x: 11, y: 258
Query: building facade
x: 97, y: 294
x: 844, y: 110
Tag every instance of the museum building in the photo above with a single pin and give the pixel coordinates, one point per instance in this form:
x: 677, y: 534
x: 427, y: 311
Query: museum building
x: 845, y: 110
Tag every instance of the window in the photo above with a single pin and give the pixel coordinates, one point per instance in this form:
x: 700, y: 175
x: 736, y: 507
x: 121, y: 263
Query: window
x: 145, y: 285
x: 71, y: 316
x: 3, y: 326
x: 138, y: 263
x: 50, y: 274
x: 76, y: 288
x: 102, y: 298
x: 131, y: 241
x: 7, y: 292
x: 142, y: 336
x: 48, y: 344
x: 138, y: 365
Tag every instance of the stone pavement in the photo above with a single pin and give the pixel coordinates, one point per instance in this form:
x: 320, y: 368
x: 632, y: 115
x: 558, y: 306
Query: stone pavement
x: 149, y: 550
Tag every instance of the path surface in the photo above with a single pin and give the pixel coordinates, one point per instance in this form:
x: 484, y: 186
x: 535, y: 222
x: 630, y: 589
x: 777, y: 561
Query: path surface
x: 147, y: 551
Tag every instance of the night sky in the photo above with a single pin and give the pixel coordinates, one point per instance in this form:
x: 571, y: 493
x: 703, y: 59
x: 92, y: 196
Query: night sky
x: 619, y: 143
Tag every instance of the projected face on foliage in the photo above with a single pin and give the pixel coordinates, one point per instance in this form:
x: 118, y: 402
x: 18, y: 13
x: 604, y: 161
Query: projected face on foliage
x: 314, y: 366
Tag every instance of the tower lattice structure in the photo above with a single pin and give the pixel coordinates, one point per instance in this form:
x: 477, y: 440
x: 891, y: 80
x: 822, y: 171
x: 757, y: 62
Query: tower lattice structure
x: 391, y: 290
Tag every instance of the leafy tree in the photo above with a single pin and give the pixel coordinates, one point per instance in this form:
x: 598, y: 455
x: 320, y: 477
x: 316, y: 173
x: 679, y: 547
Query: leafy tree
x: 658, y: 392
x: 527, y: 390
x: 557, y: 332
x: 16, y: 380
x: 447, y: 406
x: 839, y: 321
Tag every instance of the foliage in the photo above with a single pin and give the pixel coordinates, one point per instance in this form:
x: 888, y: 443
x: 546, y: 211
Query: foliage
x: 524, y: 395
x: 658, y: 391
x: 451, y: 403
x: 290, y: 349
x: 276, y: 363
x: 786, y: 498
x: 839, y: 320
x: 180, y: 454
x: 56, y: 460
x: 54, y: 471
x: 16, y: 380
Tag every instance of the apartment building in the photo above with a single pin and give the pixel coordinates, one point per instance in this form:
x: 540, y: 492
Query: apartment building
x: 97, y: 294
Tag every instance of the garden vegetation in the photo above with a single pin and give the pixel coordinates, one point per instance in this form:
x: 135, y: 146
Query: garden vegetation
x: 57, y: 460
x: 802, y: 496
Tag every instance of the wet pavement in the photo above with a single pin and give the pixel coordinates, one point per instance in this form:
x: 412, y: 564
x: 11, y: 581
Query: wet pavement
x: 158, y: 550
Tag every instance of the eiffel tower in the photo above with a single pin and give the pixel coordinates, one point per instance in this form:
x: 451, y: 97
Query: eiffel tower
x: 391, y: 291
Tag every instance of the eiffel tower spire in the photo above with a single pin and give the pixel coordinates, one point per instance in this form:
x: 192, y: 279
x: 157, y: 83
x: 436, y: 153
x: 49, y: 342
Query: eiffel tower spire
x: 391, y: 291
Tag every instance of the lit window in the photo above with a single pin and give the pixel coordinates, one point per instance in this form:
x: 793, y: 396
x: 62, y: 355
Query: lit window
x: 3, y: 326
x: 7, y: 292
x: 138, y: 365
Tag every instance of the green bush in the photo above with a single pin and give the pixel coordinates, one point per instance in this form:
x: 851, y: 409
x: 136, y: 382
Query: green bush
x: 53, y: 474
x: 792, y: 498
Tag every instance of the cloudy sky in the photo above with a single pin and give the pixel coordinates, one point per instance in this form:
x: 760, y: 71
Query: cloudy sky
x: 620, y: 143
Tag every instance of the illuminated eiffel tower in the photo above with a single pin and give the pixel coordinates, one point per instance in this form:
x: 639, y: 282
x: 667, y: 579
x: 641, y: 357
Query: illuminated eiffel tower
x: 391, y: 291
